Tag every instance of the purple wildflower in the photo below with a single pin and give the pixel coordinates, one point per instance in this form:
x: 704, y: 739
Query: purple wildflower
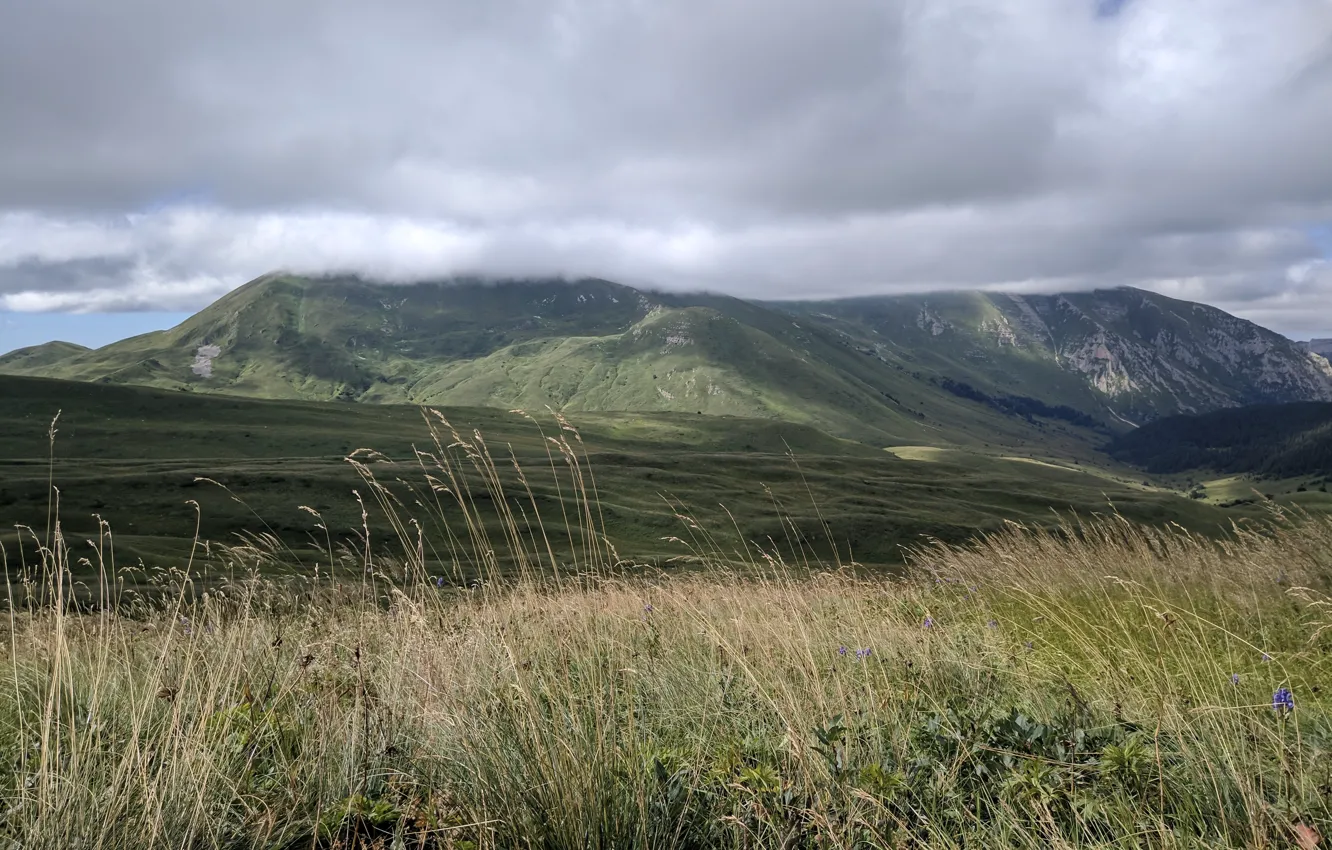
x: 993, y: 624
x: 1234, y: 679
x: 841, y: 650
x: 1266, y: 657
x: 862, y: 654
x: 929, y: 623
x: 1283, y: 701
x: 439, y: 581
x: 648, y: 609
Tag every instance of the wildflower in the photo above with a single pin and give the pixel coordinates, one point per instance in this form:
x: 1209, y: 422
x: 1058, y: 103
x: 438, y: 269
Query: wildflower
x: 1266, y: 657
x: 648, y: 609
x: 992, y: 624
x: 841, y: 650
x: 862, y: 654
x: 439, y: 581
x: 1234, y: 678
x: 1028, y: 645
x: 1283, y: 700
x: 929, y: 623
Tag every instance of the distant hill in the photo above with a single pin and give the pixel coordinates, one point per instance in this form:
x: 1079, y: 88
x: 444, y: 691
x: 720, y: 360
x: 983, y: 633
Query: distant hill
x: 1283, y: 440
x: 953, y: 367
x: 38, y: 358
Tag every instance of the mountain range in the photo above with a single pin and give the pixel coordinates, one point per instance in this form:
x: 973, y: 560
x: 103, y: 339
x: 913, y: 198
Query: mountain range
x: 960, y: 366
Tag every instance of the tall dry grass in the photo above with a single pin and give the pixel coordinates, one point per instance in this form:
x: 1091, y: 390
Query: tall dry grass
x: 1097, y: 684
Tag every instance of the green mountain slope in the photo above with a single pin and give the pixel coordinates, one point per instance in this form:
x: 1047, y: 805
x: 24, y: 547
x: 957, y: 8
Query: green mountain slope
x: 36, y: 358
x: 1125, y: 354
x: 1057, y: 373
x: 1283, y: 440
x: 579, y: 346
x: 134, y: 456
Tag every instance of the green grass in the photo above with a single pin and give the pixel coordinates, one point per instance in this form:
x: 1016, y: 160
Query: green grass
x: 483, y: 665
x: 1093, y: 685
x: 154, y: 465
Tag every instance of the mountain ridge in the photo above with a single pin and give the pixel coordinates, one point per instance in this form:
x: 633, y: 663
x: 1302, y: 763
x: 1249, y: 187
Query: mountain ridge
x: 954, y: 366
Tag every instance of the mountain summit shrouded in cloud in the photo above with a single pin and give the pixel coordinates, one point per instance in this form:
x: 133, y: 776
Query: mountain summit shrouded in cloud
x: 889, y: 369
x: 158, y: 155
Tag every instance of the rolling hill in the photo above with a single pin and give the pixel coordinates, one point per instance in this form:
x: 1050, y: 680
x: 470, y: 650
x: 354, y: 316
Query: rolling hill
x: 153, y: 464
x: 1058, y: 372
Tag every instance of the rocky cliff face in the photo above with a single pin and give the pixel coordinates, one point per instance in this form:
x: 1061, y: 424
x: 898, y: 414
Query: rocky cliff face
x: 1149, y: 355
x: 1133, y: 356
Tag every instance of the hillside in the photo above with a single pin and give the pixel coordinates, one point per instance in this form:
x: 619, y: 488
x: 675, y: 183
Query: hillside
x: 37, y: 358
x: 1285, y: 440
x: 133, y: 456
x: 1055, y: 372
x: 1125, y: 354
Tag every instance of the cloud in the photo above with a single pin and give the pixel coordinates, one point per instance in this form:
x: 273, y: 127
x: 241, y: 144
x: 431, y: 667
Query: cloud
x: 158, y: 154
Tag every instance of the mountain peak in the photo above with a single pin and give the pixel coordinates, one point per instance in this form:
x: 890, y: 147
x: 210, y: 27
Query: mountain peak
x: 900, y: 367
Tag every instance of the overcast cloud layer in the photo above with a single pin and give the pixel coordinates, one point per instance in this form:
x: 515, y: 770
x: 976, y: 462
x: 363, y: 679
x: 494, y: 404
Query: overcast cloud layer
x: 155, y: 154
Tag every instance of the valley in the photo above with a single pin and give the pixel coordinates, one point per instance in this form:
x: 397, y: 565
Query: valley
x: 135, y: 456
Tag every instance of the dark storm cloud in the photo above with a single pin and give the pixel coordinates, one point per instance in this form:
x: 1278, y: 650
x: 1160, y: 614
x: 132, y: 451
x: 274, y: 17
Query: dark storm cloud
x: 763, y: 147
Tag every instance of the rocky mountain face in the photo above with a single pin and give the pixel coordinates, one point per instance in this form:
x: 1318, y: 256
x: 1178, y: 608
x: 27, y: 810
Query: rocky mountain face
x: 1142, y: 355
x: 960, y: 366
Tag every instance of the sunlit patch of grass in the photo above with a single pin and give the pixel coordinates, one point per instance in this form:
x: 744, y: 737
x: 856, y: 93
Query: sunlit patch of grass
x: 928, y: 454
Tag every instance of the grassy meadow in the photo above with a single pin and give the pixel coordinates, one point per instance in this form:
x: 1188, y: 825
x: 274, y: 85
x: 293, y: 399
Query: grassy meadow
x: 479, y: 669
x: 166, y: 468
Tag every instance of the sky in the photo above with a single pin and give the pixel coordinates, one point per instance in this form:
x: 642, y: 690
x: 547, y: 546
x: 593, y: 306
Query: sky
x: 157, y: 154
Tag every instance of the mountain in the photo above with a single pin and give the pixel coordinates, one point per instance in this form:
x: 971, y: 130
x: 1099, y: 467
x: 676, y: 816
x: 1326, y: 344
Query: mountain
x: 1281, y: 440
x: 1318, y: 346
x: 1134, y: 355
x: 955, y: 367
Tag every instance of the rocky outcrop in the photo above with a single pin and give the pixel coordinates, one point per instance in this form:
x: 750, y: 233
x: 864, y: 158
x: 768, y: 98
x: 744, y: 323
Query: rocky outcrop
x: 1163, y: 356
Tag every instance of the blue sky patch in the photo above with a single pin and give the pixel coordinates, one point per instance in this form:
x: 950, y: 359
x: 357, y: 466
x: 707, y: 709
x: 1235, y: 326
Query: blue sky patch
x: 19, y: 330
x: 1321, y: 235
